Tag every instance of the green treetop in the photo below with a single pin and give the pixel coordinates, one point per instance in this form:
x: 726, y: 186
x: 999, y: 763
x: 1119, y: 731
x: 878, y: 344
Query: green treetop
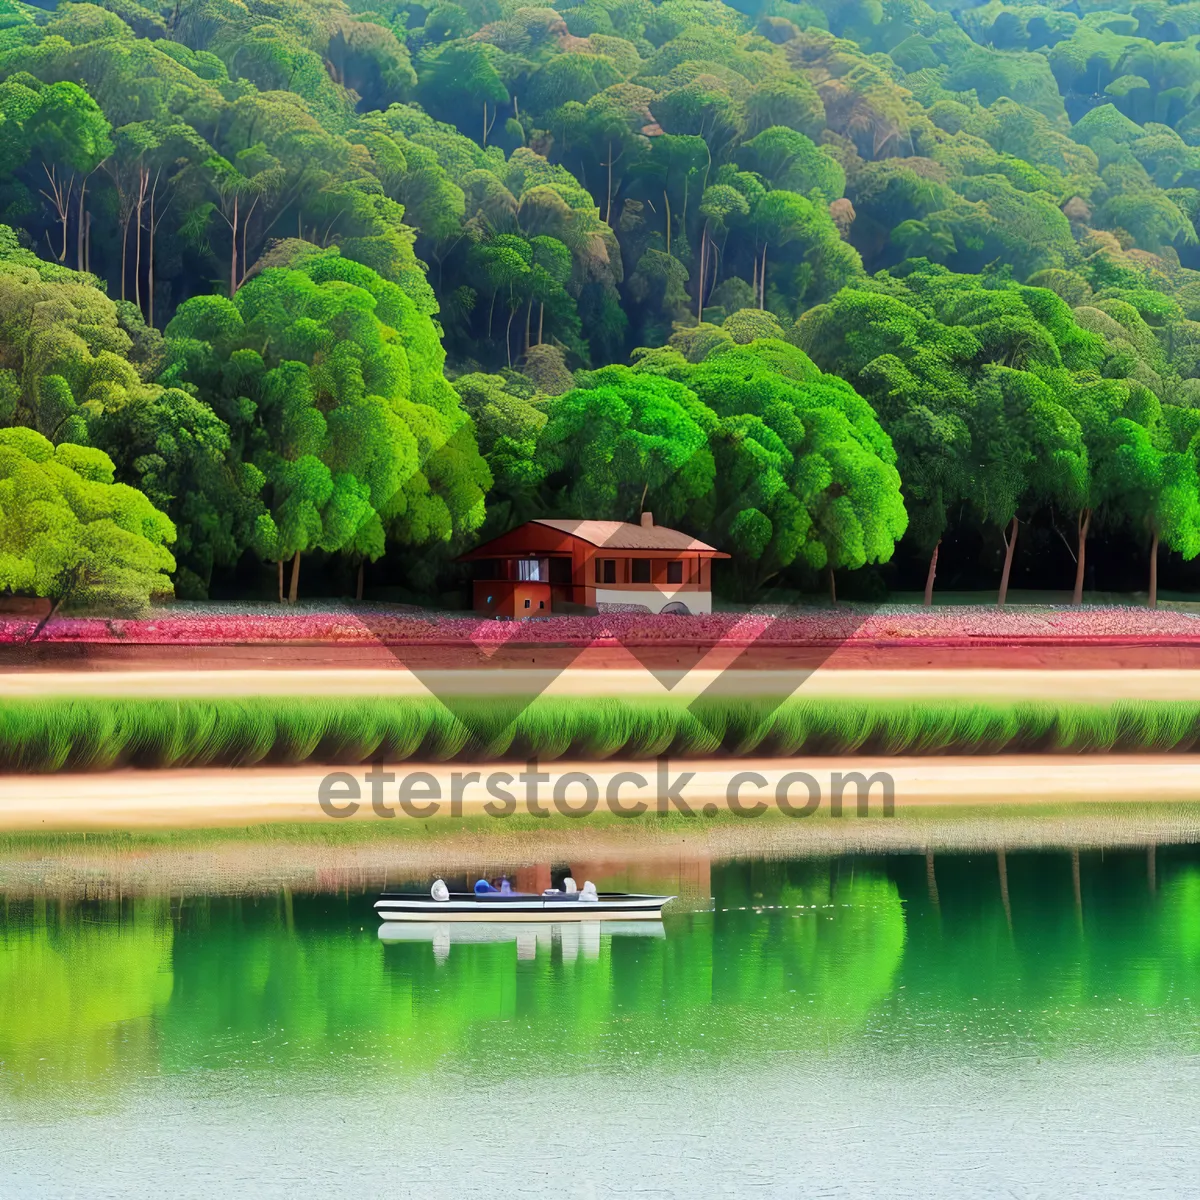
x: 626, y: 442
x: 69, y: 533
x: 340, y: 401
x: 804, y: 471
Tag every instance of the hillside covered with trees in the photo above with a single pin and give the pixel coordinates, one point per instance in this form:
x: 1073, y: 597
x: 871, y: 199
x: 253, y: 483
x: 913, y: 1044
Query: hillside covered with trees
x: 297, y: 295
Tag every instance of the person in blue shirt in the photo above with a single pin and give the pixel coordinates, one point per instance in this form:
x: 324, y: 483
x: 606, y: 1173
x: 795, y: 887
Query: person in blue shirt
x: 484, y: 886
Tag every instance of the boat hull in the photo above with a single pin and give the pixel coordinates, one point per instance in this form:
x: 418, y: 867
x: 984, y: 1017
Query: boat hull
x: 490, y: 932
x: 523, y: 909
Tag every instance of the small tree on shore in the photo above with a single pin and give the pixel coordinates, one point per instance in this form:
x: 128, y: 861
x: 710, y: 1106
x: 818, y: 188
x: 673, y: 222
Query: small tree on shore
x: 71, y: 535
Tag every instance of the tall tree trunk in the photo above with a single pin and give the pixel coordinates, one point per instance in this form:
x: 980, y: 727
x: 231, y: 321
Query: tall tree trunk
x: 59, y: 196
x: 150, y: 265
x: 1085, y: 520
x: 358, y: 591
x: 143, y: 183
x: 245, y: 259
x: 929, y: 578
x: 528, y: 322
x: 294, y: 589
x: 1010, y: 544
x: 667, y: 206
x: 279, y: 564
x: 700, y: 279
x: 87, y: 244
x: 233, y: 256
x: 762, y: 282
x: 512, y: 312
x: 79, y: 259
x: 832, y: 587
x: 541, y: 318
x: 1154, y: 571
x: 608, y: 193
x: 124, y: 251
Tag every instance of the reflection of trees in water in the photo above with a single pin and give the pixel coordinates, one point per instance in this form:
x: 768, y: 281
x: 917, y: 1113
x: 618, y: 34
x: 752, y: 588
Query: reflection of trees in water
x: 1093, y: 946
x: 826, y: 953
x: 80, y: 986
x: 796, y: 956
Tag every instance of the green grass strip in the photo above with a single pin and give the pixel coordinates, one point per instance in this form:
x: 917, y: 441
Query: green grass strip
x: 100, y: 734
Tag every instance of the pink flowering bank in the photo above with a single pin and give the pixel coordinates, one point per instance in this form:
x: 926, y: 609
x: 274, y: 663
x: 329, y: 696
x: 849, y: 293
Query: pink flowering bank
x: 796, y: 626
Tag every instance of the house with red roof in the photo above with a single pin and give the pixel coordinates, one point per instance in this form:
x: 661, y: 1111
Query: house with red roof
x: 547, y: 566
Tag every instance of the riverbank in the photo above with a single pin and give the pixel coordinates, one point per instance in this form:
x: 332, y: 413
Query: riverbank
x: 756, y: 812
x: 1117, y: 653
x: 331, y: 637
x: 827, y: 682
x: 645, y: 855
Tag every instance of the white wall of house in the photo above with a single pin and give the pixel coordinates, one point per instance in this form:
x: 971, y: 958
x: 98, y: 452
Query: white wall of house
x: 654, y: 599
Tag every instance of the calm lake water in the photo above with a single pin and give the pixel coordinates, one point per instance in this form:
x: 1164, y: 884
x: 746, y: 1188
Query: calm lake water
x: 1021, y: 1025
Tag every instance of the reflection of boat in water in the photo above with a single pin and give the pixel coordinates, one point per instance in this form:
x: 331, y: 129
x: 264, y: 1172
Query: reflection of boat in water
x: 575, y: 937
x: 487, y: 903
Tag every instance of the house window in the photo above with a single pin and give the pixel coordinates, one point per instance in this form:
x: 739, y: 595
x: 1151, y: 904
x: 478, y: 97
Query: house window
x: 531, y: 570
x: 606, y: 570
x: 641, y: 570
x: 526, y: 603
x: 541, y: 604
x: 674, y: 572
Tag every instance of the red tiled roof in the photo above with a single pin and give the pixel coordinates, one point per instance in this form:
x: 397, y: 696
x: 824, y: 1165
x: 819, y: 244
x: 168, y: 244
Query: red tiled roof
x: 622, y: 535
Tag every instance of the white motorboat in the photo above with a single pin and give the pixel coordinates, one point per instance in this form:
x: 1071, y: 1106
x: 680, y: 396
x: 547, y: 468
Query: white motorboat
x: 487, y: 903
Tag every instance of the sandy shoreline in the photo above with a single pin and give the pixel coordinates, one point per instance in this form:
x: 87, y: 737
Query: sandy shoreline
x: 1101, y: 686
x: 257, y: 831
x: 196, y: 799
x: 647, y: 854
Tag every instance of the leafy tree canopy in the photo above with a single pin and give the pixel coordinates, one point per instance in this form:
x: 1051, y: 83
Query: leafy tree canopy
x: 68, y: 532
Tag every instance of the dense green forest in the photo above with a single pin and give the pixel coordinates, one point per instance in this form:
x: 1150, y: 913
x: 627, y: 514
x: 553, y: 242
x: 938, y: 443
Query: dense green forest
x: 836, y: 284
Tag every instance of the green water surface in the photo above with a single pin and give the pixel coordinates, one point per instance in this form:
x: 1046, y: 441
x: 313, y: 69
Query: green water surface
x: 898, y: 968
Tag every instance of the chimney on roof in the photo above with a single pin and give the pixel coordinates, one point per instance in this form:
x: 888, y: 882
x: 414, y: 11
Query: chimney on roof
x: 647, y: 520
